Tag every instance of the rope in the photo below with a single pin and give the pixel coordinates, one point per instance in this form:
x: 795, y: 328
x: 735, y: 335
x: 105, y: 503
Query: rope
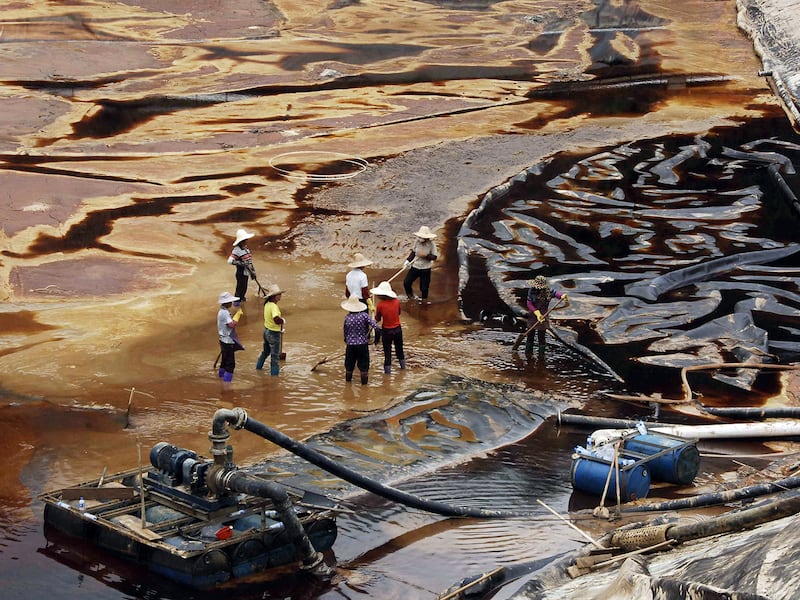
x: 360, y: 165
x: 601, y: 509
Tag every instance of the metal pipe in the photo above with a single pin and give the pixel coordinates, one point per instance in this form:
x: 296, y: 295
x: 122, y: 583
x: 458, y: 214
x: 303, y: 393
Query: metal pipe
x: 237, y: 417
x: 768, y: 429
x: 219, y: 434
x: 222, y: 477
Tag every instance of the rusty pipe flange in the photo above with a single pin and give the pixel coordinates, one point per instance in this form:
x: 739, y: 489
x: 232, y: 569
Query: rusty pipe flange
x: 214, y: 476
x: 642, y: 537
x: 317, y: 566
x: 217, y: 479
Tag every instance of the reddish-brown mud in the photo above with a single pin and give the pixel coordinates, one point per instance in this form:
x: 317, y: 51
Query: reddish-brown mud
x: 136, y: 137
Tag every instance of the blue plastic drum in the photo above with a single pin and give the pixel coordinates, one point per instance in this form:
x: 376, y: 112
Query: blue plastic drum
x: 589, y: 475
x: 678, y: 466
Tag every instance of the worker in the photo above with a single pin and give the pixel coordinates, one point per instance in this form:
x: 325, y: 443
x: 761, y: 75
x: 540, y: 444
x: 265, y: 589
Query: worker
x: 357, y: 326
x: 228, y: 341
x: 538, y: 301
x: 273, y: 330
x: 387, y: 314
x: 356, y: 282
x: 242, y: 259
x: 420, y: 259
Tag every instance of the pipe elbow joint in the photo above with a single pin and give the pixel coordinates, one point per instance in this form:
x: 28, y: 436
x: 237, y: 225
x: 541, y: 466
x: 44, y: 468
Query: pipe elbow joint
x: 236, y: 417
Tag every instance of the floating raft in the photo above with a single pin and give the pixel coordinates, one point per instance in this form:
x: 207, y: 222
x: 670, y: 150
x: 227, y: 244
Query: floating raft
x: 189, y: 534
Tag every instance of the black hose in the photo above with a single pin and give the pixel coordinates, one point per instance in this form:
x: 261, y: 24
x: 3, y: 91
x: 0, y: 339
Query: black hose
x: 754, y: 413
x: 752, y: 491
x: 573, y: 343
x: 737, y: 520
x: 243, y: 483
x: 603, y: 422
x: 788, y: 194
x: 385, y: 491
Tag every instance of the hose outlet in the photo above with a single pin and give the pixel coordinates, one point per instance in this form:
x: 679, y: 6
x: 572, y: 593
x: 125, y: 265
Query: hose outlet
x: 641, y: 537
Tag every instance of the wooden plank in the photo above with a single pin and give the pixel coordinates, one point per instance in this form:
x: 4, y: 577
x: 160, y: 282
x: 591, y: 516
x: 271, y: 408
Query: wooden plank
x: 648, y: 399
x: 98, y: 493
x: 574, y: 571
x: 584, y: 562
x: 135, y: 524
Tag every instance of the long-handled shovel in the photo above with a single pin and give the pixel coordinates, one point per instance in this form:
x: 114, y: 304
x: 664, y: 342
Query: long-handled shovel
x: 326, y: 359
x: 261, y: 290
x: 398, y: 273
x: 522, y: 335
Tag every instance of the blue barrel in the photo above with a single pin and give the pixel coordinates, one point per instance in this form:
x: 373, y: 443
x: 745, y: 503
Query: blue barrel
x: 589, y: 475
x: 678, y: 466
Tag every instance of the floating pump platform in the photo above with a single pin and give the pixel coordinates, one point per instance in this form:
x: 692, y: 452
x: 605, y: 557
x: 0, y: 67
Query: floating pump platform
x: 196, y: 521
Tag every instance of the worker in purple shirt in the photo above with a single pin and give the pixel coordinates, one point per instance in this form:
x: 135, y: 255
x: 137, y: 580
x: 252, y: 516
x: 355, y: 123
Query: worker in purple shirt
x: 357, y: 325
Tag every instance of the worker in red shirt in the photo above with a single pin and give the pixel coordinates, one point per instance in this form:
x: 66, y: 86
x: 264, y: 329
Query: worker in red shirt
x: 387, y: 312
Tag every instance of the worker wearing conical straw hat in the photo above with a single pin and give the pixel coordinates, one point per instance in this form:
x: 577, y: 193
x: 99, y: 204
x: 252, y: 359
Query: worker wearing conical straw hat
x: 387, y: 313
x: 420, y: 259
x: 538, y: 300
x: 242, y: 259
x: 357, y: 325
x: 273, y: 330
x: 228, y: 341
x: 356, y: 282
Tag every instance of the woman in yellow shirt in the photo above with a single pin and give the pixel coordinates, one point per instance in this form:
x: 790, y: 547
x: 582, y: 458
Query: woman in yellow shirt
x: 273, y: 330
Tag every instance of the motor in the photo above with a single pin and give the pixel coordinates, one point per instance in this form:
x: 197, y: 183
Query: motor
x: 178, y: 466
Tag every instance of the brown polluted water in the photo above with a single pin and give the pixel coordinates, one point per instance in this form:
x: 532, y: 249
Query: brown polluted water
x: 138, y: 136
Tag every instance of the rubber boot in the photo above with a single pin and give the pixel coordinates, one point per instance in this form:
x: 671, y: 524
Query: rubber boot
x: 348, y: 376
x: 402, y: 363
x: 529, y: 346
x: 364, y: 378
x: 221, y: 372
x: 227, y: 377
x: 387, y: 369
